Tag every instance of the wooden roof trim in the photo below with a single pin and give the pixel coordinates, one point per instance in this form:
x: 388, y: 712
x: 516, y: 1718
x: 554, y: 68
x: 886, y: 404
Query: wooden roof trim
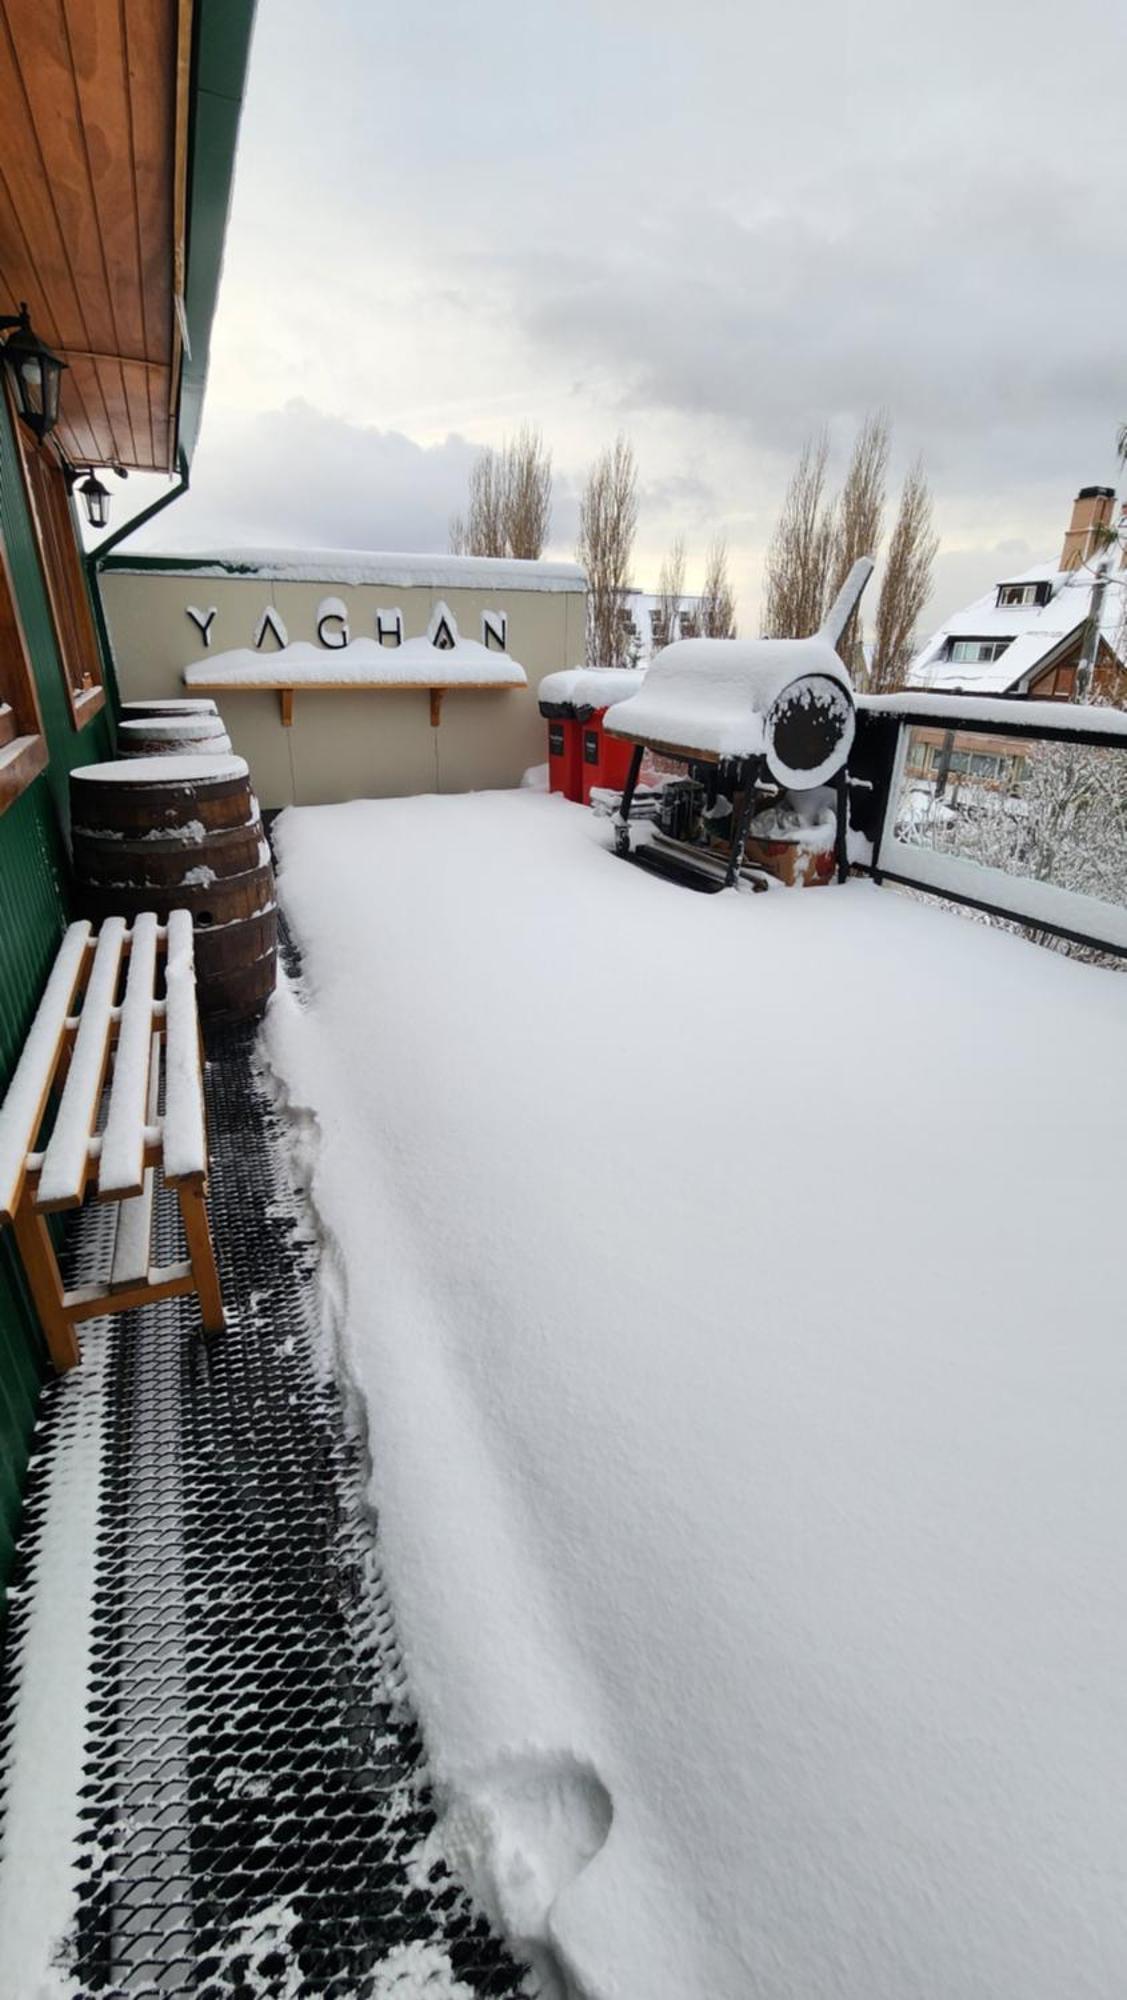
x: 138, y: 243
x: 15, y: 156
x: 98, y: 98
x: 91, y: 187
x: 180, y: 214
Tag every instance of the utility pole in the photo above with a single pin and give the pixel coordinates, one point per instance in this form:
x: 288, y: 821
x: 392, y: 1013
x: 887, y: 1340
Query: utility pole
x: 1091, y: 642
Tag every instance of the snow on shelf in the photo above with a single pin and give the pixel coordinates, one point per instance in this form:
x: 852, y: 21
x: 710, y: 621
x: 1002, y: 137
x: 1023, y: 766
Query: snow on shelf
x: 360, y: 566
x: 713, y: 695
x: 161, y: 770
x: 965, y: 710
x: 363, y: 663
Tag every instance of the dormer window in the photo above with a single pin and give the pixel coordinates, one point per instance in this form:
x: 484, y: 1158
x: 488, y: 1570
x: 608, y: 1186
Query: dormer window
x: 1024, y: 593
x: 974, y: 652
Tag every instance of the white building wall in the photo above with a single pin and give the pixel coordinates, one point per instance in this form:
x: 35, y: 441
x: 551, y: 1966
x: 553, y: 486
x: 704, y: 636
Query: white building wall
x: 372, y: 744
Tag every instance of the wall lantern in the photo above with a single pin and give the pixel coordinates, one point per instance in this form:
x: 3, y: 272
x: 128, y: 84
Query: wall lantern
x: 96, y: 500
x: 36, y: 373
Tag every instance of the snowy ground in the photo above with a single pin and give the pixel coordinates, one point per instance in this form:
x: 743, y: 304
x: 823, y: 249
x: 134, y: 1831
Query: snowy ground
x: 734, y: 1284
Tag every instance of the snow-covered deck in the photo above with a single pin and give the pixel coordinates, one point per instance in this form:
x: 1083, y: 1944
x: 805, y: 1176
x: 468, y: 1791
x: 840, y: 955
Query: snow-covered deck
x: 732, y: 1284
x: 211, y: 1780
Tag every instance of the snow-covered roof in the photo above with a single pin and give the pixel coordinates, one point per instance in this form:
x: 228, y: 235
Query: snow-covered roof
x: 359, y: 566
x: 713, y: 695
x: 590, y: 687
x: 1032, y: 632
x: 362, y: 663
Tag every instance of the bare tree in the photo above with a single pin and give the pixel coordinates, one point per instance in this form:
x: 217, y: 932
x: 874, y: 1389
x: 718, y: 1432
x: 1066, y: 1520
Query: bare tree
x: 860, y: 523
x: 510, y: 501
x: 671, y: 594
x: 608, y: 519
x: 907, y: 583
x: 527, y: 495
x: 482, y: 530
x: 718, y: 599
x: 802, y: 547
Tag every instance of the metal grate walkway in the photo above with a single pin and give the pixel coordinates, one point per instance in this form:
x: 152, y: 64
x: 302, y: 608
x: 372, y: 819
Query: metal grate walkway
x: 255, y: 1805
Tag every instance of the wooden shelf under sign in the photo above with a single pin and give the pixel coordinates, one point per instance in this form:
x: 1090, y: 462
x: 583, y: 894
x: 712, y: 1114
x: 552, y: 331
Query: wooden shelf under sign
x: 286, y: 690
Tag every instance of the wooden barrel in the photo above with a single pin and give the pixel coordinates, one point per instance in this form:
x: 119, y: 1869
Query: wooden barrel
x: 167, y: 833
x: 189, y: 735
x: 196, y: 704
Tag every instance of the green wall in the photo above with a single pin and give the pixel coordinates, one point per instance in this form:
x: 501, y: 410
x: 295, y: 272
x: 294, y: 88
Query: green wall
x: 33, y: 911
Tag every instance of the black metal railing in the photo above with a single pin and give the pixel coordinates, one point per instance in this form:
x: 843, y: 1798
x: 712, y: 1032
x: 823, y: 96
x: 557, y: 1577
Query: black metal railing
x: 1014, y: 807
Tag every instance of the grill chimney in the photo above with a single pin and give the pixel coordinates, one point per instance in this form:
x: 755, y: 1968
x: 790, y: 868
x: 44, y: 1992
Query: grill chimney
x: 1091, y: 513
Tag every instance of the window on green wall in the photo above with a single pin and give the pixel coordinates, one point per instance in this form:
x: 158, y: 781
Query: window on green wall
x: 64, y: 577
x: 23, y: 752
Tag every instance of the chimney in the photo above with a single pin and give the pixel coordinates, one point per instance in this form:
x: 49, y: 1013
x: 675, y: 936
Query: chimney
x: 1091, y: 512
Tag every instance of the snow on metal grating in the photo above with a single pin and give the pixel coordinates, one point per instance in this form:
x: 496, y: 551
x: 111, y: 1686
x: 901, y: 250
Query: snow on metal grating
x: 253, y: 1812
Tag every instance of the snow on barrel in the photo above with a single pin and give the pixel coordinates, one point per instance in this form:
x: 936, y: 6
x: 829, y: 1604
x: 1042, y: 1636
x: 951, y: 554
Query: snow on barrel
x: 198, y: 704
x: 179, y: 733
x: 183, y: 832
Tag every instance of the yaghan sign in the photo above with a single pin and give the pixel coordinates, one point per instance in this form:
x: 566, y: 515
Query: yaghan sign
x: 333, y: 631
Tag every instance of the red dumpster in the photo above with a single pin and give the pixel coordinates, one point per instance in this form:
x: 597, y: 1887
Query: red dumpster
x: 580, y: 756
x: 564, y: 751
x: 606, y: 759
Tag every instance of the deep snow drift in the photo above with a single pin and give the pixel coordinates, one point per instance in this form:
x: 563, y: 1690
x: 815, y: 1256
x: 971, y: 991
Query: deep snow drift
x: 734, y: 1286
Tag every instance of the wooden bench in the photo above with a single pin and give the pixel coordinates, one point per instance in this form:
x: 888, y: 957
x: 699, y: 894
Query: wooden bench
x: 80, y: 1038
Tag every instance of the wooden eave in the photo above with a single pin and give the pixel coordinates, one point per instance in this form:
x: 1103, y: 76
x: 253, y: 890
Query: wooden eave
x: 94, y: 107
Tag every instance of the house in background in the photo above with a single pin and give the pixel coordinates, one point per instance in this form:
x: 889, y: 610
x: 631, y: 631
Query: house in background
x: 119, y: 131
x: 646, y: 621
x: 1024, y: 638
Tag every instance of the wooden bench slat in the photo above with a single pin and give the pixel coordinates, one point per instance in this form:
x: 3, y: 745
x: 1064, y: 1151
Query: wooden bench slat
x: 132, y: 1244
x: 185, y: 1134
x: 121, y: 1161
x: 165, y: 1281
x: 22, y: 1112
x: 66, y: 1163
x: 72, y: 1051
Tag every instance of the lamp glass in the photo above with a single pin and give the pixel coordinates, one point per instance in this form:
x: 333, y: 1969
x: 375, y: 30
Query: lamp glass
x: 96, y: 500
x: 37, y: 373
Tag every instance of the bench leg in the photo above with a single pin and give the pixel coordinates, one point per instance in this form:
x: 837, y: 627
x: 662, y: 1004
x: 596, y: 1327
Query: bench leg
x: 41, y: 1267
x: 197, y: 1230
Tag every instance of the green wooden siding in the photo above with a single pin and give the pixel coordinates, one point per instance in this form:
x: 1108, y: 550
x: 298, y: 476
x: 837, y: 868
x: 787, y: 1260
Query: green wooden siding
x: 33, y: 911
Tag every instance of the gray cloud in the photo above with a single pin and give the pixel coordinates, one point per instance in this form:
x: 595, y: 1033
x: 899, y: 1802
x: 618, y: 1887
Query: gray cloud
x: 295, y: 477
x: 989, y: 327
x: 720, y: 227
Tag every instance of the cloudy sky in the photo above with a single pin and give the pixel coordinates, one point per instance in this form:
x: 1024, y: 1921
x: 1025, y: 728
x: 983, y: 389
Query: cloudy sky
x: 716, y: 226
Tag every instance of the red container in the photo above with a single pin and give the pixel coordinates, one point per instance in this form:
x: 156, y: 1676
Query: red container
x: 606, y: 759
x: 565, y: 753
